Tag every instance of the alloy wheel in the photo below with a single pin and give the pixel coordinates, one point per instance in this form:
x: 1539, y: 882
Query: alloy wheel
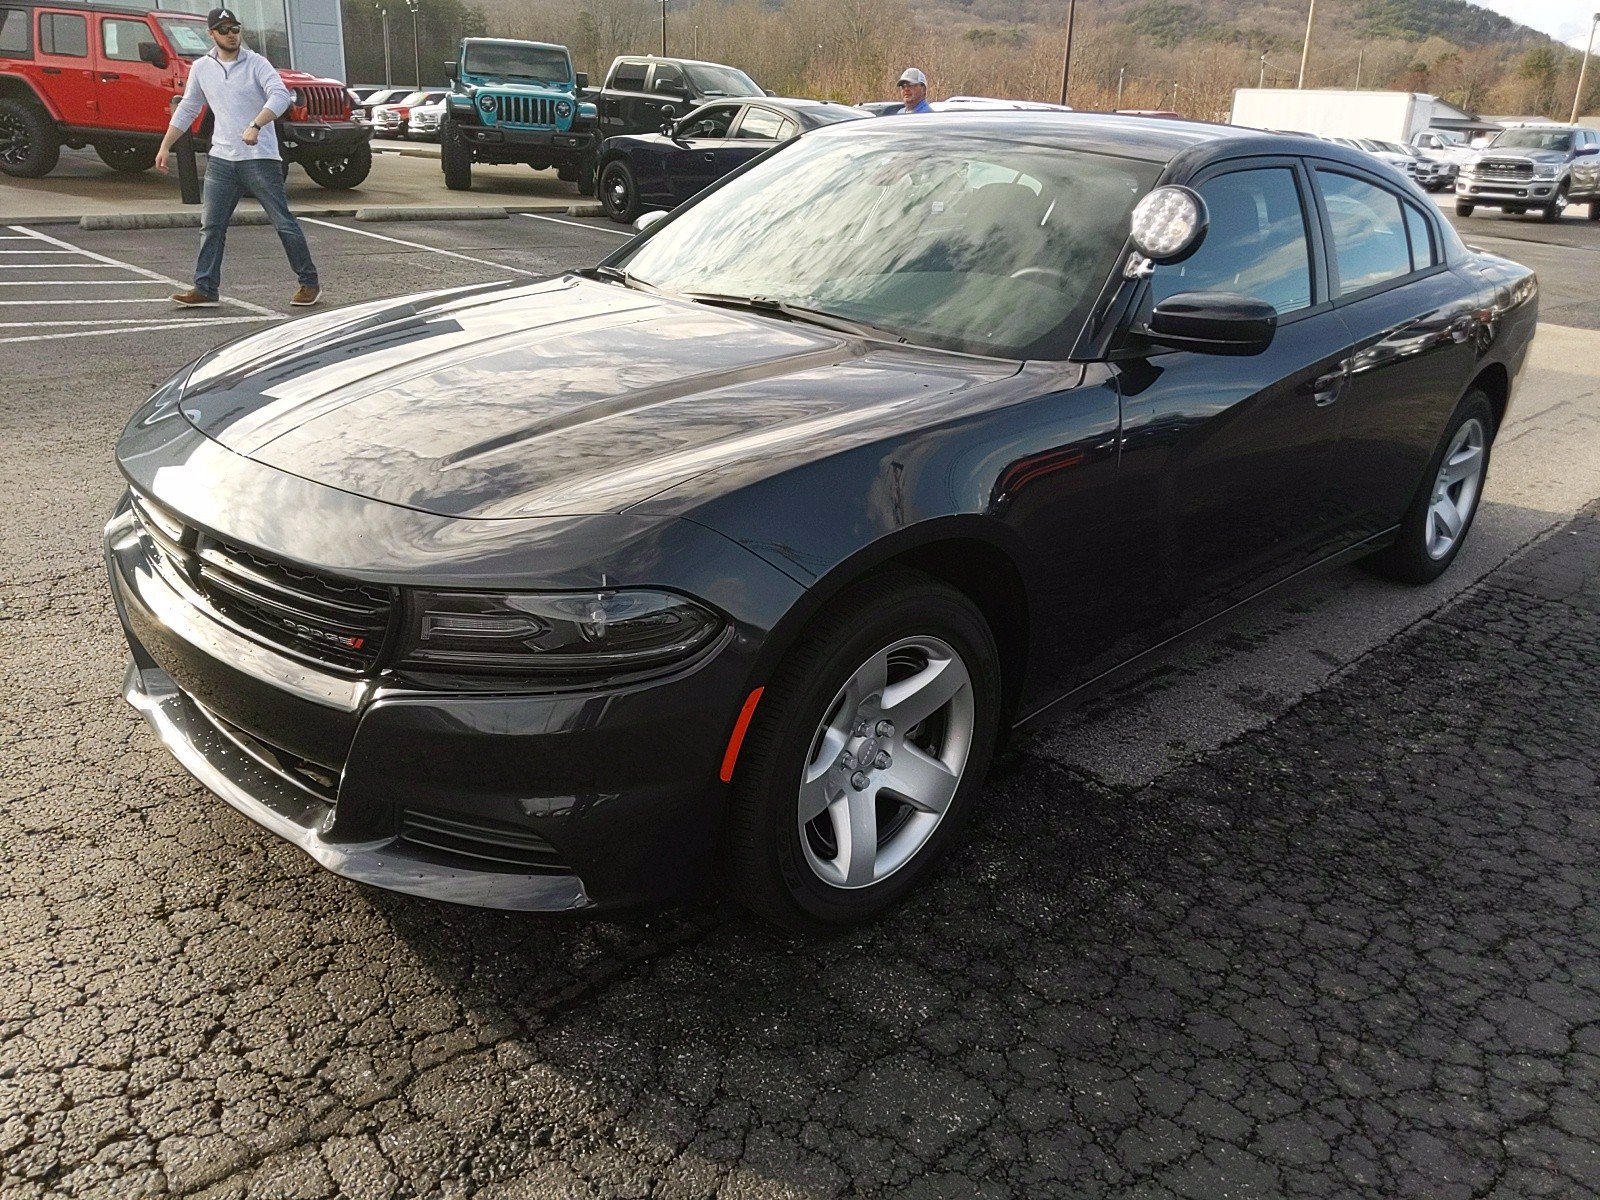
x: 886, y: 762
x: 1455, y: 491
x: 15, y: 145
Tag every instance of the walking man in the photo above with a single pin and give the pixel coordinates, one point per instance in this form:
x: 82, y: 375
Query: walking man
x: 246, y: 95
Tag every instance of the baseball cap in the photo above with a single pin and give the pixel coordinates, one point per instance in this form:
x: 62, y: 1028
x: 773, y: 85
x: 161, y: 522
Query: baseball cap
x: 912, y: 75
x: 221, y: 16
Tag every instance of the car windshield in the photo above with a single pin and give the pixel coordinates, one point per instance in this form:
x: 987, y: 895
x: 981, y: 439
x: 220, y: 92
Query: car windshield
x: 1533, y: 139
x: 188, y: 38
x: 518, y: 62
x: 955, y: 241
x: 710, y: 79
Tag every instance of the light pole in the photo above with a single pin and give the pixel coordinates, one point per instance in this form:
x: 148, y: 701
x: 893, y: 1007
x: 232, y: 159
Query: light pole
x: 416, y: 45
x: 388, y: 71
x: 1577, y: 98
x: 1263, y: 82
x: 1305, y: 50
x: 1360, y: 55
x: 1121, y: 71
x: 1066, y: 54
x: 663, y: 28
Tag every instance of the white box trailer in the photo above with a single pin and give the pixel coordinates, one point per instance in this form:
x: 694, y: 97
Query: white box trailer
x: 1334, y: 112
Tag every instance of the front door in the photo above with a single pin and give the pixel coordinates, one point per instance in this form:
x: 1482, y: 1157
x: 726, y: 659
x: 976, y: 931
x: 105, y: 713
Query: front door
x: 61, y: 56
x: 1233, y: 456
x: 142, y: 90
x: 691, y: 164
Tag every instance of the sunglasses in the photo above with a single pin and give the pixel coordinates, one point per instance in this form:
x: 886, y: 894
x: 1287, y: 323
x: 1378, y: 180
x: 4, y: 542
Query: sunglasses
x: 226, y: 30
x: 906, y: 85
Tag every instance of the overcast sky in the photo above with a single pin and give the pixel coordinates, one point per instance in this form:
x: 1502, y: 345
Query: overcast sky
x: 1568, y: 20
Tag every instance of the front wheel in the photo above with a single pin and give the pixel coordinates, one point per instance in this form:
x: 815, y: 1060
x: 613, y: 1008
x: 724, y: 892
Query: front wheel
x: 29, y: 144
x: 1557, y: 206
x: 1594, y: 210
x: 455, y: 157
x: 868, y: 748
x: 1435, y: 526
x: 128, y: 157
x: 1463, y: 209
x: 619, y: 191
x: 341, y: 173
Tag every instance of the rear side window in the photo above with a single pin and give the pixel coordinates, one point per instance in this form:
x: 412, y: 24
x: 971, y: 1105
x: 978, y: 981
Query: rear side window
x: 121, y: 39
x: 1256, y: 244
x: 64, y: 33
x: 14, y: 34
x: 630, y: 77
x: 1370, y: 245
x: 1424, y: 253
x: 761, y: 123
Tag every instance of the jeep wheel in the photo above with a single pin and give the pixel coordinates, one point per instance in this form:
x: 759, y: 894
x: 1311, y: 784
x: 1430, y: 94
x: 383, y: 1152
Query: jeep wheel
x: 130, y: 157
x: 455, y: 157
x: 341, y: 173
x: 29, y: 145
x: 619, y: 194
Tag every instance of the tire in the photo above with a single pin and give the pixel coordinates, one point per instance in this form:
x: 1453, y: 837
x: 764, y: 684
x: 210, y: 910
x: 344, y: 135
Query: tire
x: 1416, y: 557
x: 586, y: 175
x: 619, y: 191
x: 128, y: 157
x: 1463, y: 209
x: 820, y: 706
x: 340, y: 174
x: 1594, y: 210
x: 567, y: 172
x: 455, y: 157
x: 1553, y: 210
x: 29, y: 144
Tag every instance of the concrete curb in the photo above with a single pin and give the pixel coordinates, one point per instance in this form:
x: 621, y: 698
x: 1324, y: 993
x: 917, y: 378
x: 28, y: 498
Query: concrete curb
x: 585, y: 210
x: 419, y: 213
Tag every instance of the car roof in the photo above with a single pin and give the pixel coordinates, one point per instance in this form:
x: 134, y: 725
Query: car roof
x: 482, y: 41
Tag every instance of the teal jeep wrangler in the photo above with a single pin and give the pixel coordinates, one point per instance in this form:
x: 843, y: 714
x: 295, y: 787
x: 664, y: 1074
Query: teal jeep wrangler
x: 517, y: 102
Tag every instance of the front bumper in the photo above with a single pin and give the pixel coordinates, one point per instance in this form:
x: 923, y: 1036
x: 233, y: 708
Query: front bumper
x: 547, y: 802
x: 319, y: 139
x: 1495, y: 191
x: 545, y: 139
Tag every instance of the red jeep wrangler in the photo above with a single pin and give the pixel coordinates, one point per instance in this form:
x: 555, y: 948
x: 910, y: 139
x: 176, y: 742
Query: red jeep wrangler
x: 80, y: 74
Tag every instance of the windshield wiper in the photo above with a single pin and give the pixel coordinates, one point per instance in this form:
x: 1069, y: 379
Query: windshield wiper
x: 619, y: 275
x: 795, y: 312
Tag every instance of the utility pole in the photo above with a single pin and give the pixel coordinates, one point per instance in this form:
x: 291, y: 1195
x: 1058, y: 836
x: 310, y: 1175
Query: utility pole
x: 1577, y: 98
x: 388, y: 70
x: 663, y: 28
x: 416, y: 44
x: 1305, y: 50
x: 1360, y: 54
x: 1263, y: 82
x: 1121, y: 71
x: 1066, y: 54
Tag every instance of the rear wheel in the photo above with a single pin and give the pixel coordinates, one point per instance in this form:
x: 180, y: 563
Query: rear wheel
x: 130, y: 157
x: 868, y: 749
x: 29, y: 144
x: 1435, y: 526
x: 619, y: 191
x: 341, y: 173
x: 455, y: 157
x: 1463, y: 209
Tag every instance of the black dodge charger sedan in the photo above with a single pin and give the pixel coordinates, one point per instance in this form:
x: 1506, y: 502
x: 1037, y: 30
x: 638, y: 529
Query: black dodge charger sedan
x: 662, y: 170
x: 732, y: 557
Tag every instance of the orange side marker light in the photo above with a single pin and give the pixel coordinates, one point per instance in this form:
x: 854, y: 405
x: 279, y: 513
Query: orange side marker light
x: 731, y: 756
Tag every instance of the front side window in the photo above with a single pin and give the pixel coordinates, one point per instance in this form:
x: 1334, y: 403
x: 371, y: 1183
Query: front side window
x: 13, y: 33
x: 64, y: 34
x: 948, y: 239
x: 761, y: 123
x: 1256, y: 244
x: 669, y: 79
x: 121, y: 39
x: 1369, y: 234
x: 710, y: 122
x: 188, y: 38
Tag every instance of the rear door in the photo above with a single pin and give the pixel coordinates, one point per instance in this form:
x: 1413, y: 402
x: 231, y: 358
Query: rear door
x: 137, y: 92
x: 62, y: 58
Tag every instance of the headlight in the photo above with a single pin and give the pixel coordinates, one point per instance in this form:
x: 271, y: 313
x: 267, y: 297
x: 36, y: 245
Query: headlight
x: 555, y: 633
x: 486, y: 102
x: 295, y: 96
x: 1543, y: 172
x: 563, y: 109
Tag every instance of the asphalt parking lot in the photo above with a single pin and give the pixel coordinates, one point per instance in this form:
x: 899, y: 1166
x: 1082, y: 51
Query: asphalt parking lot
x: 1309, y: 910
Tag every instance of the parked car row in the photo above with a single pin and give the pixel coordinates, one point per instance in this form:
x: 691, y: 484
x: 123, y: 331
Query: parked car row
x: 1533, y: 168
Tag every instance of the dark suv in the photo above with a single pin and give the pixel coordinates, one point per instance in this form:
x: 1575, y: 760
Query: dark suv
x: 103, y: 75
x: 516, y: 102
x: 1533, y: 168
x: 643, y: 93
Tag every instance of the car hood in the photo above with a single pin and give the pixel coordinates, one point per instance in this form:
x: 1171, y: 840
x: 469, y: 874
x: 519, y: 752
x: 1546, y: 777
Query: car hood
x: 1538, y: 156
x: 564, y: 397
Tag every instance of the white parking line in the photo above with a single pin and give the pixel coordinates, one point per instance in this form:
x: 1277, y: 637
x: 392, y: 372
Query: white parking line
x: 88, y: 283
x: 150, y: 275
x: 191, y: 324
x: 418, y: 246
x: 52, y: 266
x: 36, y: 251
x: 579, y: 225
x: 119, y: 300
x: 127, y: 321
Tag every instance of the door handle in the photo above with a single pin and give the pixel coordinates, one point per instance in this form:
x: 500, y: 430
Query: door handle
x: 711, y: 158
x: 50, y: 70
x: 1325, y: 389
x: 109, y: 76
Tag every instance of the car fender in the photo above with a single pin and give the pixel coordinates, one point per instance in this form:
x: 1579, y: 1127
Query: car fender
x: 14, y: 87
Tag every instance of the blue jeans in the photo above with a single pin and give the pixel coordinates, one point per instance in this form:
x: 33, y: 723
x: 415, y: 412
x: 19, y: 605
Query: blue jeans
x: 226, y: 183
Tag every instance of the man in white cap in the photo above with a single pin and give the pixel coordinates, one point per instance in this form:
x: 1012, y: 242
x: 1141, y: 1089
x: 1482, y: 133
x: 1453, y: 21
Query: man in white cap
x: 913, y: 85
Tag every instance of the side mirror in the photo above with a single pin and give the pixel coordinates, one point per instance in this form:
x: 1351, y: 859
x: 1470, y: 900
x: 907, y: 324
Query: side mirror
x: 669, y: 129
x: 1212, y: 323
x: 668, y: 111
x: 154, y: 55
x: 647, y: 219
x: 450, y: 70
x: 583, y: 80
x: 1582, y: 150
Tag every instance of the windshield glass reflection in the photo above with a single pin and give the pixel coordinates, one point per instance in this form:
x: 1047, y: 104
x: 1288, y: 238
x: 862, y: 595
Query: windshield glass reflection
x: 950, y: 240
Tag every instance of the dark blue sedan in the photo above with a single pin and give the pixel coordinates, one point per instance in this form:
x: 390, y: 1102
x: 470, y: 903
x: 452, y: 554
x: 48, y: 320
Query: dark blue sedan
x: 662, y: 170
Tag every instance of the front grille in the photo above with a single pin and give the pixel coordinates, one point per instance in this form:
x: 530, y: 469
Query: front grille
x: 1505, y: 169
x: 324, y: 101
x: 487, y: 844
x: 322, y: 782
x: 524, y: 110
x: 334, y: 621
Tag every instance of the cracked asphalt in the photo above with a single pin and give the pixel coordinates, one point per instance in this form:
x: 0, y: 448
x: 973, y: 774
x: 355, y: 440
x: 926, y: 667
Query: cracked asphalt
x: 1340, y: 939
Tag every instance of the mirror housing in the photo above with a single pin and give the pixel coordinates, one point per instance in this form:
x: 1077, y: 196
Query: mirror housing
x: 1582, y: 150
x: 450, y: 70
x: 1212, y: 323
x: 154, y: 55
x: 583, y: 80
x: 647, y: 219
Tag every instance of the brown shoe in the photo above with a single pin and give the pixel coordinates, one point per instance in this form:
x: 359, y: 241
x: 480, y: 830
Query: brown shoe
x: 306, y: 296
x: 194, y: 299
